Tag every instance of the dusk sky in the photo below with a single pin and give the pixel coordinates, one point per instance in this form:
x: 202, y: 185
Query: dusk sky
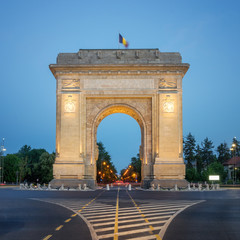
x: 32, y: 33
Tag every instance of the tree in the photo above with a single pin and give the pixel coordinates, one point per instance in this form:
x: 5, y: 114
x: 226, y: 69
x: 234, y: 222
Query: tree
x: 22, y: 168
x: 106, y: 171
x: 11, y: 167
x: 192, y: 175
x: 199, y: 161
x: 236, y: 149
x: 33, y: 158
x: 207, y: 152
x: 133, y: 171
x: 223, y: 152
x: 215, y: 168
x: 44, y: 168
x: 189, y: 149
x: 29, y: 160
x: 24, y: 151
x: 137, y: 166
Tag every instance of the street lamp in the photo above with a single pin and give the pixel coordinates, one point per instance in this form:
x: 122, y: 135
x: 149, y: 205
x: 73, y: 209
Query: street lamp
x: 101, y: 176
x: 234, y: 149
x: 2, y: 160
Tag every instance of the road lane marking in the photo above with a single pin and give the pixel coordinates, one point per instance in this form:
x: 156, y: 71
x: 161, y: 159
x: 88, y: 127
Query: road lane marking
x: 74, y: 215
x: 139, y: 222
x: 146, y: 220
x: 68, y: 220
x: 47, y: 237
x: 116, y: 218
x: 58, y: 228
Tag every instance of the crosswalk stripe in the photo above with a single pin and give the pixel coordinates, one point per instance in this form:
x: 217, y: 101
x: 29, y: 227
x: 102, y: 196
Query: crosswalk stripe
x: 162, y: 207
x: 99, y: 217
x: 150, y: 237
x: 103, y: 209
x: 119, y: 222
x: 129, y: 226
x: 98, y: 214
x: 154, y: 214
x: 128, y: 232
x: 135, y: 216
x: 92, y: 216
x: 165, y: 204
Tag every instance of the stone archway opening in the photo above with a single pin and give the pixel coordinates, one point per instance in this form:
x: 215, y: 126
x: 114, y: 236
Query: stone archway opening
x: 121, y: 136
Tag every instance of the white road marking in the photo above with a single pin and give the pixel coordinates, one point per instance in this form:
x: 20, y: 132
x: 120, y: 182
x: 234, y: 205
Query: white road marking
x: 128, y: 232
x: 131, y: 223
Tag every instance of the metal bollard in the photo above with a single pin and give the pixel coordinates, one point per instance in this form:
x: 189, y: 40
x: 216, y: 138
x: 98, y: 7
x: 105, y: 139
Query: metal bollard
x: 108, y: 187
x: 129, y: 187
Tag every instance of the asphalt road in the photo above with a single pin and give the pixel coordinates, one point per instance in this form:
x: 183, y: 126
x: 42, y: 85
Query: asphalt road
x: 119, y: 214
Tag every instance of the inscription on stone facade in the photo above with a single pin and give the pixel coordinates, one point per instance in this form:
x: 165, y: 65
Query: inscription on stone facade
x: 119, y: 83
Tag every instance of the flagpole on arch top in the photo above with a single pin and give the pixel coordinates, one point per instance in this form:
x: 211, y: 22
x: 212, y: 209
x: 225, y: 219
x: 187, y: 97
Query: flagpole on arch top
x: 118, y: 40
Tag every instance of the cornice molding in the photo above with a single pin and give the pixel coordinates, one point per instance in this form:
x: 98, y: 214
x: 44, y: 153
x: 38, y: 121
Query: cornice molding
x: 155, y: 69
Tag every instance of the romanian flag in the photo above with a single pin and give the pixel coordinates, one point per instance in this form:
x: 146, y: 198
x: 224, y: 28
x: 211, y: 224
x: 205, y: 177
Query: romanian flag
x: 123, y: 40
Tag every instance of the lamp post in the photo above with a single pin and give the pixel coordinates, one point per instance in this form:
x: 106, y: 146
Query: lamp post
x: 101, y: 177
x: 2, y: 160
x: 234, y: 149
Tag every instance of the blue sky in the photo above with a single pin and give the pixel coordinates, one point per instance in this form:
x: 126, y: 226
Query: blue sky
x: 206, y: 33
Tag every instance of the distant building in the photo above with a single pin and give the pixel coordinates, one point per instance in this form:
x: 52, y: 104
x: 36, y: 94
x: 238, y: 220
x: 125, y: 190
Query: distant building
x: 230, y: 165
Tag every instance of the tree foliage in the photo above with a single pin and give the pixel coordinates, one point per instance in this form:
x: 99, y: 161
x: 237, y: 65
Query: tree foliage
x: 31, y: 165
x: 206, y: 162
x: 189, y: 150
x: 208, y: 156
x: 223, y: 152
x: 106, y: 171
x: 236, y: 149
x: 11, y: 167
x: 133, y: 171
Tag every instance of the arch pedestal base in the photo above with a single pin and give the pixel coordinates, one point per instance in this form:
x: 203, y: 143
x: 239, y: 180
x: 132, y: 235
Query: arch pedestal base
x: 73, y: 183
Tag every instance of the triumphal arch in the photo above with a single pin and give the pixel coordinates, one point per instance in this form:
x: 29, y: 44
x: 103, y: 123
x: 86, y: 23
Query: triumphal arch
x: 146, y: 84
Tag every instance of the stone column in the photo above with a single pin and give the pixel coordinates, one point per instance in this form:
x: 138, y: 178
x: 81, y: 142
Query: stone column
x: 169, y: 162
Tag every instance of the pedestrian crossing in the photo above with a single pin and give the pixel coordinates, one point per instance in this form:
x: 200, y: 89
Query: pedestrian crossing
x: 149, y: 220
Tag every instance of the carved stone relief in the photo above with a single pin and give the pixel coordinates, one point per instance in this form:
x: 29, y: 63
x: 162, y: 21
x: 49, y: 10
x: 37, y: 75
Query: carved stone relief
x: 168, y: 104
x: 70, y: 84
x: 167, y: 84
x: 69, y: 106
